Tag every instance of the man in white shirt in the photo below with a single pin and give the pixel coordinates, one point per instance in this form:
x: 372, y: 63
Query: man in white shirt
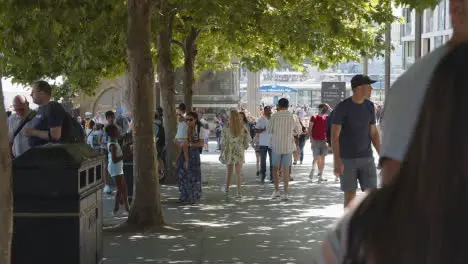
x: 282, y: 128
x: 264, y: 142
x: 20, y: 143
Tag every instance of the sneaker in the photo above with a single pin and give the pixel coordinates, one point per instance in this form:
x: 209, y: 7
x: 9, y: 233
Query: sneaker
x: 285, y: 197
x: 311, y: 175
x: 116, y: 213
x: 224, y: 190
x: 239, y: 196
x: 275, y: 195
x: 258, y: 173
x: 107, y: 189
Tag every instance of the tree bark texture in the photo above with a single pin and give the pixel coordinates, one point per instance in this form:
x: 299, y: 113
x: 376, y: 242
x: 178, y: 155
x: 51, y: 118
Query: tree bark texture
x: 146, y: 208
x: 190, y: 53
x: 6, y: 197
x: 388, y: 54
x: 166, y: 77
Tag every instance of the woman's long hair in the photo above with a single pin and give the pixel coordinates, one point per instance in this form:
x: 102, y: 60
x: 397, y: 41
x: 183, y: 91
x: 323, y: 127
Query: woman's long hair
x: 235, y: 124
x: 422, y: 216
x: 244, y: 117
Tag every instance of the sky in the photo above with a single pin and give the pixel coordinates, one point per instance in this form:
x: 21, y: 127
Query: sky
x: 11, y: 90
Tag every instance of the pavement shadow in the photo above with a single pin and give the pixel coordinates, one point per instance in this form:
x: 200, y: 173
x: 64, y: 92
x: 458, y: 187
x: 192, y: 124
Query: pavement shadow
x: 225, y: 229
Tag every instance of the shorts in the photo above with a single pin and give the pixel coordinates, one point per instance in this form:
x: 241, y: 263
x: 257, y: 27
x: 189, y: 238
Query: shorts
x: 285, y: 160
x: 115, y: 169
x: 360, y: 170
x: 319, y: 148
x: 207, y: 139
x: 180, y: 140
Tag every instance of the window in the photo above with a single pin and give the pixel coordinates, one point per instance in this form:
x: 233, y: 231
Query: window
x: 441, y: 15
x: 429, y: 20
x: 409, y: 49
x: 438, y: 41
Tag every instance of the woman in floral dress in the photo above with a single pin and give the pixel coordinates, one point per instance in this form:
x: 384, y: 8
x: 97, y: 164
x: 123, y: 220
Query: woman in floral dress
x: 235, y: 139
x: 190, y: 183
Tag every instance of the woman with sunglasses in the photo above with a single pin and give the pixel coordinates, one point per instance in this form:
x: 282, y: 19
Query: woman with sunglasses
x: 190, y: 177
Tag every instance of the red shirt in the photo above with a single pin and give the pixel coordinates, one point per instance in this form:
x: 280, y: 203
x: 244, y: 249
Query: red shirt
x: 319, y: 128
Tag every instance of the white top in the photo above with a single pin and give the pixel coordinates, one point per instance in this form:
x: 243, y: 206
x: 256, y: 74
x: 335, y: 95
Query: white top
x: 92, y: 134
x: 282, y: 128
x: 181, y: 130
x: 264, y: 137
x: 402, y: 106
x: 20, y: 143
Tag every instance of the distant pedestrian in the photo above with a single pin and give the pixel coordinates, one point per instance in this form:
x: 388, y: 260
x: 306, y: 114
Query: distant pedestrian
x: 235, y: 140
x: 115, y: 167
x: 282, y: 128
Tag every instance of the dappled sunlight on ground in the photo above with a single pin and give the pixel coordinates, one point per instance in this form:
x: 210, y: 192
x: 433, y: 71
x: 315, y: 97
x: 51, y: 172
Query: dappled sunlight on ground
x: 253, y: 229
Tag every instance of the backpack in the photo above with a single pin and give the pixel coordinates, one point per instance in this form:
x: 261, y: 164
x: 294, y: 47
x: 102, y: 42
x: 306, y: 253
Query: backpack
x: 72, y: 131
x: 95, y: 140
x: 252, y: 129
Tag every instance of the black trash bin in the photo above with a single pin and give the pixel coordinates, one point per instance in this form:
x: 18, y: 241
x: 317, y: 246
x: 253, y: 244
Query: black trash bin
x: 58, y: 205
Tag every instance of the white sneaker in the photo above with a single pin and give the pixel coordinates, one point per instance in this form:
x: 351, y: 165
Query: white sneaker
x: 224, y: 190
x: 285, y: 197
x: 107, y: 189
x: 275, y: 195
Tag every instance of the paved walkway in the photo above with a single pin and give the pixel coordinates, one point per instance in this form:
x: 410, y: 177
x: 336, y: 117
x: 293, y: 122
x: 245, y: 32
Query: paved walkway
x: 251, y: 230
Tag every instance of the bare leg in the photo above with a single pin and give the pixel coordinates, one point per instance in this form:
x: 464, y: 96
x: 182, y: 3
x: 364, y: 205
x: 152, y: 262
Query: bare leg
x: 230, y: 171
x: 239, y: 178
x: 348, y: 197
x: 286, y: 177
x: 276, y: 177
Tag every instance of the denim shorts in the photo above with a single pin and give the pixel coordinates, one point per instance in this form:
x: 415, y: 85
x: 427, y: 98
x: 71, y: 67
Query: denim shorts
x: 285, y: 160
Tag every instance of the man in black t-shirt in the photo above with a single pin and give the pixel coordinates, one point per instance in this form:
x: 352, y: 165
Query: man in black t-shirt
x: 47, y: 125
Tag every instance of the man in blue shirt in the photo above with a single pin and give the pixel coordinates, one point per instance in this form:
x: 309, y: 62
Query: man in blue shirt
x: 47, y: 125
x: 352, y: 132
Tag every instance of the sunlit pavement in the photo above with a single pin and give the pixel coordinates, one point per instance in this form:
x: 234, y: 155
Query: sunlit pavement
x: 223, y: 229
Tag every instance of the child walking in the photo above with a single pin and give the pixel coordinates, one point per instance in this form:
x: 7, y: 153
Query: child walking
x: 115, y: 168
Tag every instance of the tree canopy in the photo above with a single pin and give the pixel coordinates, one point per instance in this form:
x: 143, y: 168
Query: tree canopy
x: 84, y: 41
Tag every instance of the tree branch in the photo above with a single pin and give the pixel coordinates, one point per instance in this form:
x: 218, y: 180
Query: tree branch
x: 178, y: 43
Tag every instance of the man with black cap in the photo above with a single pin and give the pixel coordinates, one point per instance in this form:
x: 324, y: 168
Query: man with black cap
x: 353, y: 129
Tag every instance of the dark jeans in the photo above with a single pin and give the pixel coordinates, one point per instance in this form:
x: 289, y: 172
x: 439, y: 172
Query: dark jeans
x: 218, y: 140
x: 264, y: 150
x: 302, y: 142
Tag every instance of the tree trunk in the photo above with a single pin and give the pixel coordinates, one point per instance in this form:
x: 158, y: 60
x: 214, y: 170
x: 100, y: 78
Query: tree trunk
x: 167, y: 80
x: 388, y: 54
x: 190, y: 53
x: 6, y: 198
x: 146, y: 208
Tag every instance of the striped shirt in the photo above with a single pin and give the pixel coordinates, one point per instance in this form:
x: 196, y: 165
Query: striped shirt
x: 282, y: 128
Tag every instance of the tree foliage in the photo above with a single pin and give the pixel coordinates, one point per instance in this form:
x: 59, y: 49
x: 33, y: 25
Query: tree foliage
x: 81, y: 40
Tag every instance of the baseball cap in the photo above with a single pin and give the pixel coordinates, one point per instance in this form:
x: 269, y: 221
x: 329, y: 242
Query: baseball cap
x: 360, y: 79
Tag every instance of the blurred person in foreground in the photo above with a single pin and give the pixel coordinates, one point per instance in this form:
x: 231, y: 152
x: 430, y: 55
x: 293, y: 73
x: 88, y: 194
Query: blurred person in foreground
x: 403, y: 104
x: 421, y: 215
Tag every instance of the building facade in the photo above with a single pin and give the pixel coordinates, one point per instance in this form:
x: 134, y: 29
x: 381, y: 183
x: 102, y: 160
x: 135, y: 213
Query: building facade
x: 436, y: 31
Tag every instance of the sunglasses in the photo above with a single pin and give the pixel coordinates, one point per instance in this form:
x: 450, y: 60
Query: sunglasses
x: 189, y: 119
